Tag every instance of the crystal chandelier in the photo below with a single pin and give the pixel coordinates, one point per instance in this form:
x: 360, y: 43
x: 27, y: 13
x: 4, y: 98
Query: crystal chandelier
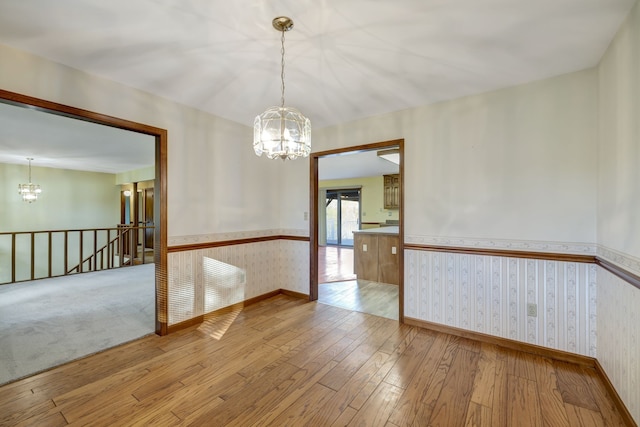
x: 29, y: 191
x: 282, y: 132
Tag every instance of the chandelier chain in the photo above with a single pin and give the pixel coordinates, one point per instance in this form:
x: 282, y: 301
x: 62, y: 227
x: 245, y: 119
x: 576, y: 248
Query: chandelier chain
x: 282, y: 69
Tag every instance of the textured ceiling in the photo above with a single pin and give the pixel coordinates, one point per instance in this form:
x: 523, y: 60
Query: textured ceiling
x: 345, y: 59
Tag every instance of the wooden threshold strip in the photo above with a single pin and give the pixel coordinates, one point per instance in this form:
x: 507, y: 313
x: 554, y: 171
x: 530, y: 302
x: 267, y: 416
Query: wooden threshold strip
x: 221, y: 243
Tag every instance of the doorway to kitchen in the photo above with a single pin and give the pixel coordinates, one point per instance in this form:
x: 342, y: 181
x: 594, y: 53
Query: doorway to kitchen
x: 335, y: 174
x: 342, y: 214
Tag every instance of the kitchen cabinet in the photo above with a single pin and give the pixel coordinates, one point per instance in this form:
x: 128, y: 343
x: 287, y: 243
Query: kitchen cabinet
x: 392, y: 191
x: 376, y: 254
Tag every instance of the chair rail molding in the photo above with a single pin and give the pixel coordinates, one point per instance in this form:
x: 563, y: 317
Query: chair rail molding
x: 504, y: 244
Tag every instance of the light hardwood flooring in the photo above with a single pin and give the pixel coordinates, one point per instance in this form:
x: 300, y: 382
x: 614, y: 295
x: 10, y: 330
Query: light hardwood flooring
x: 288, y: 362
x: 335, y: 264
x: 376, y: 298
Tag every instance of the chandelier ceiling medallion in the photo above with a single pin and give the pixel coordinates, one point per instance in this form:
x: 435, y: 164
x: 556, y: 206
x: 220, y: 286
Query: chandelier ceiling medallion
x: 29, y: 191
x: 282, y: 132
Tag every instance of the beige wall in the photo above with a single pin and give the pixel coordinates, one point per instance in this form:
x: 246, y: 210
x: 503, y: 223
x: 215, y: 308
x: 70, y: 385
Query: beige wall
x: 517, y: 163
x: 619, y: 210
x: 518, y: 166
x: 216, y: 183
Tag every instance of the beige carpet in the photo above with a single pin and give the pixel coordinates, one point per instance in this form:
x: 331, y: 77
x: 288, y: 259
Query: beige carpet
x: 48, y: 322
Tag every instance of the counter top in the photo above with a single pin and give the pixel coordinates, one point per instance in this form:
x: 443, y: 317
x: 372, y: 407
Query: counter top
x: 395, y: 230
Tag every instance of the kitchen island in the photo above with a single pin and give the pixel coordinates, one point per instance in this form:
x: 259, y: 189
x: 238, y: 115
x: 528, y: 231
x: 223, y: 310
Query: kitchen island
x: 376, y: 254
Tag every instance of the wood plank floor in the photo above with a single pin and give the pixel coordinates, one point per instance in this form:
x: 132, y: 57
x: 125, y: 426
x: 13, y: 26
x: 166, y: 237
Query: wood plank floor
x: 376, y: 298
x: 335, y: 264
x: 288, y: 362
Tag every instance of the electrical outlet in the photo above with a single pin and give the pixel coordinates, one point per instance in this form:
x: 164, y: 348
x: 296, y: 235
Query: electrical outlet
x: 364, y: 248
x: 532, y: 310
x: 306, y: 216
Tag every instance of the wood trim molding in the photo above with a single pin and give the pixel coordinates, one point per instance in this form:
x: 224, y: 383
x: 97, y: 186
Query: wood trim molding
x: 313, y: 211
x: 251, y: 301
x: 185, y: 324
x: 294, y: 294
x: 161, y: 276
x: 505, y: 342
x: 624, y: 411
x: 359, y: 148
x: 262, y: 297
x: 234, y: 242
x: 619, y: 271
x: 504, y: 253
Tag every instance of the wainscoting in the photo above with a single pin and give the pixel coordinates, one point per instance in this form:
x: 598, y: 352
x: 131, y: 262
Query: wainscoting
x: 582, y: 307
x: 206, y: 276
x: 619, y: 337
x: 489, y: 294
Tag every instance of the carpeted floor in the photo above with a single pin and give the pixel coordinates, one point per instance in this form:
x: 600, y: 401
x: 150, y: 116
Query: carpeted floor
x: 48, y: 322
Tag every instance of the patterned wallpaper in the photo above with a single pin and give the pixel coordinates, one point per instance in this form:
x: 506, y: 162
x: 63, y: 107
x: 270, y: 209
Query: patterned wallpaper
x: 619, y: 337
x: 200, y: 282
x: 489, y: 294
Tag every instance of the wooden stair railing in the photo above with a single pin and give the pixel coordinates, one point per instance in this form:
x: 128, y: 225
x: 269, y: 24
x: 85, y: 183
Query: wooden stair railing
x: 110, y: 247
x: 27, y: 248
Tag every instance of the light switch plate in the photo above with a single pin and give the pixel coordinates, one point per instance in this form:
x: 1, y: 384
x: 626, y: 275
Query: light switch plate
x: 364, y: 248
x: 393, y: 250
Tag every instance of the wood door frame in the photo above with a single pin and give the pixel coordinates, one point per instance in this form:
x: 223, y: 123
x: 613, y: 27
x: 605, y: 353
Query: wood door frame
x: 313, y: 212
x: 160, y: 202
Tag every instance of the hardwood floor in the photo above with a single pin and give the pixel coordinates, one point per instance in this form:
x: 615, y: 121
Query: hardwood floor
x: 376, y: 298
x: 335, y: 264
x: 288, y: 362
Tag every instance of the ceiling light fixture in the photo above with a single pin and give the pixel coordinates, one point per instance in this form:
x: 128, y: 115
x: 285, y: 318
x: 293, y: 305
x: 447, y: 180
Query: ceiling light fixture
x: 29, y: 191
x: 282, y: 132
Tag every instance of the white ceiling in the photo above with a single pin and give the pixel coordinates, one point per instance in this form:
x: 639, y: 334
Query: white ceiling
x: 64, y: 143
x: 345, y: 59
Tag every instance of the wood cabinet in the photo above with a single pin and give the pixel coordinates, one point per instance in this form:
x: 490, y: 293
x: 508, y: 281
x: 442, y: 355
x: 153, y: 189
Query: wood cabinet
x: 392, y: 191
x: 376, y: 257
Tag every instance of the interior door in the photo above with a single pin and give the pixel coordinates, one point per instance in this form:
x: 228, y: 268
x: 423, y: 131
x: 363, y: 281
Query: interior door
x: 148, y: 218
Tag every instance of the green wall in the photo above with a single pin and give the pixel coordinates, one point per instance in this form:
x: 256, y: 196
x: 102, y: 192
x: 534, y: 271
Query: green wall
x: 70, y: 200
x: 372, y: 197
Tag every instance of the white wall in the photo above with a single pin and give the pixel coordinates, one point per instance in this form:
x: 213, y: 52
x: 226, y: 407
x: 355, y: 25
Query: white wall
x: 218, y: 189
x: 619, y: 148
x: 511, y: 164
x: 619, y: 210
x: 215, y: 182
